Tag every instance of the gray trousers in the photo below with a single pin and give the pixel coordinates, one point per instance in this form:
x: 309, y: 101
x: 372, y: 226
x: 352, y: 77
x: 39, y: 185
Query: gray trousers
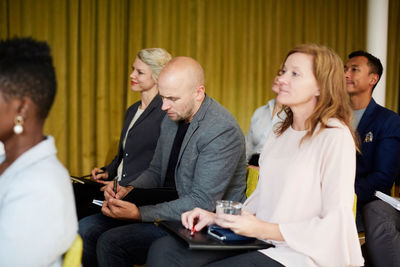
x: 382, y: 234
x: 168, y: 251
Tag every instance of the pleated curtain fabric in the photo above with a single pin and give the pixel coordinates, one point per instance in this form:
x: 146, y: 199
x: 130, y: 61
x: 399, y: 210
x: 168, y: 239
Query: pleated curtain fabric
x: 240, y: 44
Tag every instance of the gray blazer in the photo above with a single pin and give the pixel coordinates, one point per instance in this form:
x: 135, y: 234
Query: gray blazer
x: 211, y: 163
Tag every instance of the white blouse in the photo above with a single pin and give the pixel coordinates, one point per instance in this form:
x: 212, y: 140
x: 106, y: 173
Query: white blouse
x: 37, y: 211
x: 308, y: 189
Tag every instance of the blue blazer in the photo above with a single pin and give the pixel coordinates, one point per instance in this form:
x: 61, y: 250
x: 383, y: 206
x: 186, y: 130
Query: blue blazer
x: 140, y: 143
x: 378, y: 165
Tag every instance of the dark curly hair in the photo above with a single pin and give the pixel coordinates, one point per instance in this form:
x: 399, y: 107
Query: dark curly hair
x: 26, y: 70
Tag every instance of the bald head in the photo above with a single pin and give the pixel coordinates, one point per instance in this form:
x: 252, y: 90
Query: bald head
x: 184, y: 69
x: 181, y: 85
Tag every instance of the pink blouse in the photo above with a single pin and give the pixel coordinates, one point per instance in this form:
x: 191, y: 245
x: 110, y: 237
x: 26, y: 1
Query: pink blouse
x: 308, y: 189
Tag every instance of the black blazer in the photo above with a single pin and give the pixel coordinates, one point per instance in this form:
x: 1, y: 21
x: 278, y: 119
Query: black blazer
x: 140, y: 142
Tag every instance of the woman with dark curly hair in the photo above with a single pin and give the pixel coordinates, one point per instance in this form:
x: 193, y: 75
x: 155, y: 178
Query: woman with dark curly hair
x: 37, y: 214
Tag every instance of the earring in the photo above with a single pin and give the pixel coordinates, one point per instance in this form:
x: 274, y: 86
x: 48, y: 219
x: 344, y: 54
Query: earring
x: 18, y: 121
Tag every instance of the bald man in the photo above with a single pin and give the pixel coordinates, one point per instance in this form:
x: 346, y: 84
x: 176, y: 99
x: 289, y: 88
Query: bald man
x: 200, y: 154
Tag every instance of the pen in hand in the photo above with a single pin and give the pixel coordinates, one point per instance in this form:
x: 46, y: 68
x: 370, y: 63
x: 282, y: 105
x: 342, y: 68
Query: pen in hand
x: 90, y: 175
x: 193, y: 231
x: 115, y: 185
x: 85, y: 176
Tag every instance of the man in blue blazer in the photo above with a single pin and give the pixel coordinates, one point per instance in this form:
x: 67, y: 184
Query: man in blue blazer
x: 378, y: 164
x: 200, y: 153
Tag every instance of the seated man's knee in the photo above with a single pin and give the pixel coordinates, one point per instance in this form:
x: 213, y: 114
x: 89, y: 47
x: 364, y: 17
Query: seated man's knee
x: 375, y: 211
x: 105, y: 243
x: 87, y: 225
x: 160, y: 251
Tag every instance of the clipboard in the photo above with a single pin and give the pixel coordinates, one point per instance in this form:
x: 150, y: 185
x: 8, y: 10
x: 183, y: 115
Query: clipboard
x: 202, y: 241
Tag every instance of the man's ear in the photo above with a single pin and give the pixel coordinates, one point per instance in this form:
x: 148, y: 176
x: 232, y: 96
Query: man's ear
x: 200, y: 92
x: 374, y: 78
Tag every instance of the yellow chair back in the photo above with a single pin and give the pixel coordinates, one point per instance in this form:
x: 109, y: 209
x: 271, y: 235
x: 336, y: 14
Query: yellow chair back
x: 355, y: 205
x: 73, y: 257
x: 252, y: 180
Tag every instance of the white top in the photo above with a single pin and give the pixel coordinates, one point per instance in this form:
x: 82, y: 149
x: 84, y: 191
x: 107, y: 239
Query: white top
x: 357, y: 115
x: 38, y: 220
x: 134, y: 119
x: 308, y: 190
x: 260, y: 127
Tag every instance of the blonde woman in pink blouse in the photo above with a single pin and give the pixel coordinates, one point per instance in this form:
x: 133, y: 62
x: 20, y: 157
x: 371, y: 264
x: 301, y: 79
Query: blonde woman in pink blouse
x: 304, y: 197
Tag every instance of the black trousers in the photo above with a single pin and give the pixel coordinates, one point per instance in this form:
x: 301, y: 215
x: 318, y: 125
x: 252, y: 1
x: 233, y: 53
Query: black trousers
x: 84, y: 195
x: 168, y: 251
x: 382, y: 234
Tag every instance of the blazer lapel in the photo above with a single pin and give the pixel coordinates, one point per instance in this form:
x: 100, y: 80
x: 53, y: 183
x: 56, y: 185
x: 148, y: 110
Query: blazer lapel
x: 153, y: 104
x: 129, y: 119
x: 366, y: 119
x: 194, y: 124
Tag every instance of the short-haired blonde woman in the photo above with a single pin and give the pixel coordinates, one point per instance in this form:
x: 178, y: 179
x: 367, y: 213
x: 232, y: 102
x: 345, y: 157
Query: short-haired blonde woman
x: 137, y: 143
x: 139, y: 133
x: 142, y: 121
x: 304, y: 197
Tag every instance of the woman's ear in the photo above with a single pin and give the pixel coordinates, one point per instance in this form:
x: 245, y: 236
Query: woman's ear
x: 23, y: 106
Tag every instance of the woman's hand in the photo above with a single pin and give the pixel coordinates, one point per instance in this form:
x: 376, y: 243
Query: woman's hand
x: 99, y: 175
x: 249, y: 225
x: 197, y: 217
x: 108, y: 189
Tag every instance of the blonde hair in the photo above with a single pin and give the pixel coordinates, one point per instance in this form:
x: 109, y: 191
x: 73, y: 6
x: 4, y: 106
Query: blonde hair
x: 333, y: 101
x: 155, y: 58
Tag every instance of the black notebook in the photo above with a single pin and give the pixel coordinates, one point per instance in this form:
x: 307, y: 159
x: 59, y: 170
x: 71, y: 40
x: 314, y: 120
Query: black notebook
x: 203, y: 241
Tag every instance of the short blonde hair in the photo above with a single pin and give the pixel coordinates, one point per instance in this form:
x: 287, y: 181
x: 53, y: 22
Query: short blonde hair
x: 155, y: 58
x: 333, y: 101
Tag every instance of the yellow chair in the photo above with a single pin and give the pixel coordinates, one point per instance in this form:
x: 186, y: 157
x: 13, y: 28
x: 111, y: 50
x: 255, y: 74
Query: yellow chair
x: 252, y: 180
x: 361, y: 235
x: 355, y: 206
x: 73, y: 257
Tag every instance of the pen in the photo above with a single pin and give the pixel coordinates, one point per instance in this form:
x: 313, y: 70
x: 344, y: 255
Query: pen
x: 193, y: 231
x: 85, y: 176
x: 76, y: 179
x: 115, y: 185
x: 89, y: 175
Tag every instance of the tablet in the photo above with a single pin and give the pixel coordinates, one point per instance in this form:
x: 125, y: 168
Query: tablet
x: 202, y: 241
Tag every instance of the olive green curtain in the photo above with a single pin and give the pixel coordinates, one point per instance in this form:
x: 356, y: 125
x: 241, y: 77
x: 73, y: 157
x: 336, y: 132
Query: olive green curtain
x: 240, y: 44
x: 393, y: 57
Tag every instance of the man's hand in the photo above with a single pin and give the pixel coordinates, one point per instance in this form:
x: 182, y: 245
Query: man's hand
x: 99, y: 175
x: 120, y: 209
x: 122, y: 191
x: 197, y: 217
